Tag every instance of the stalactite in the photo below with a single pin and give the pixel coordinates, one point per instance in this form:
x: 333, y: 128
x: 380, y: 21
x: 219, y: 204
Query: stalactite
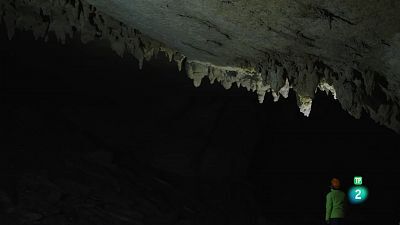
x: 275, y: 73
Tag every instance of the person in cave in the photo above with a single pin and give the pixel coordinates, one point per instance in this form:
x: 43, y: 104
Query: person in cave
x: 335, y: 204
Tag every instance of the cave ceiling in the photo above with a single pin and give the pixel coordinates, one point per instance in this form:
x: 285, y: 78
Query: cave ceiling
x: 347, y: 48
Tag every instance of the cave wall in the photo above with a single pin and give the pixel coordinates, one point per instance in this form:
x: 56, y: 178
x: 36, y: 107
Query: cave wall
x: 86, y: 147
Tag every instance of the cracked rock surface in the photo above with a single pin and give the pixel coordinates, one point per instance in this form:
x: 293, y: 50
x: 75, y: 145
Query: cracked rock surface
x: 348, y: 48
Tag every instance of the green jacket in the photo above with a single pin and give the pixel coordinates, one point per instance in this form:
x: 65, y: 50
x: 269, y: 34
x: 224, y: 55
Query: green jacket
x: 335, y: 204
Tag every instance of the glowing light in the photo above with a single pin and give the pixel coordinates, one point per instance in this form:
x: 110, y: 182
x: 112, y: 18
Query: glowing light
x: 358, y: 194
x: 357, y: 180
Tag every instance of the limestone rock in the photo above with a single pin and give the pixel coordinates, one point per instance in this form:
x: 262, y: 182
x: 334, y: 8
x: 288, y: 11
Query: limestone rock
x: 350, y: 48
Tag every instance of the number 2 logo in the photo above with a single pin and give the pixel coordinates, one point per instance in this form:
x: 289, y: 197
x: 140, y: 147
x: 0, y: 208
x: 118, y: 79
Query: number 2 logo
x: 358, y: 195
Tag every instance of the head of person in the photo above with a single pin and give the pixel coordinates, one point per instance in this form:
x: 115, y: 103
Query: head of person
x: 335, y: 183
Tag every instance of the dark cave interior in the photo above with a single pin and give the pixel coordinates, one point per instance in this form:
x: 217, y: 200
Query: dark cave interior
x: 88, y: 138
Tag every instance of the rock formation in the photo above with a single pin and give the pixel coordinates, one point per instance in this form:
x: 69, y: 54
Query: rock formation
x: 350, y: 49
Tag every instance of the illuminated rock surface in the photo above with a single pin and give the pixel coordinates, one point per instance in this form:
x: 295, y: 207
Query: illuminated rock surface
x: 348, y: 48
